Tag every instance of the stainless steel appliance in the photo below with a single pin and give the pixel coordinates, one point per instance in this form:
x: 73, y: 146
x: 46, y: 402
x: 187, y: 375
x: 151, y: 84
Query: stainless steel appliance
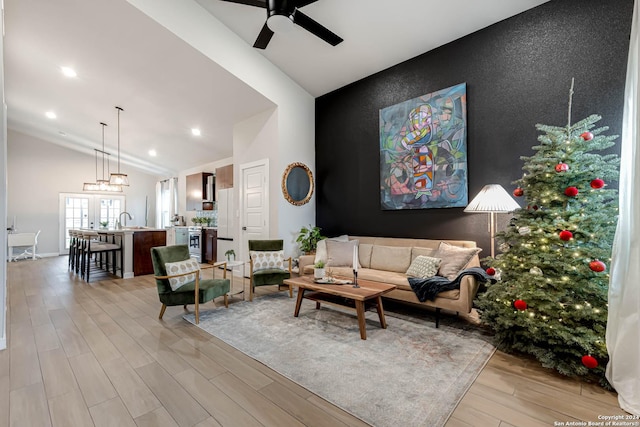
x: 195, y: 242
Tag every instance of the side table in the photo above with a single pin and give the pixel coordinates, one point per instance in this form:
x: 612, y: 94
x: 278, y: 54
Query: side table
x: 231, y: 265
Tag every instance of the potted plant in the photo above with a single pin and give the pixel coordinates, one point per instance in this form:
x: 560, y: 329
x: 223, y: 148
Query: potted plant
x: 230, y: 254
x: 308, y: 238
x: 318, y: 270
x: 104, y: 224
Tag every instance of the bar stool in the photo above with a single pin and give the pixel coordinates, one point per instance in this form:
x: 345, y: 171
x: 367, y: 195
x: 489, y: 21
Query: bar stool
x: 73, y: 242
x: 93, y: 246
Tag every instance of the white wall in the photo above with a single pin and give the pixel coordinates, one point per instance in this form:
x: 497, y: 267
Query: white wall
x: 3, y: 196
x: 295, y: 136
x: 39, y: 170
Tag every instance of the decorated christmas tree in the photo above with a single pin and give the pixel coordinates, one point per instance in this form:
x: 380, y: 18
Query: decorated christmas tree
x: 551, y: 299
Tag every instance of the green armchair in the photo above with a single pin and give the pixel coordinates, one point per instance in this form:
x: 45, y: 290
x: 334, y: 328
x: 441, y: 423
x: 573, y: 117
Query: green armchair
x: 267, y: 268
x: 206, y: 289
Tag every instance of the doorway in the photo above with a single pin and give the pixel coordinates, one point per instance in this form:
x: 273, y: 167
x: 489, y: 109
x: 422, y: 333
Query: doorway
x: 89, y: 211
x: 254, y: 203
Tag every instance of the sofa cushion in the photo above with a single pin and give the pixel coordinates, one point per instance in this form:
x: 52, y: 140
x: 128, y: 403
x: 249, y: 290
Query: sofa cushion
x: 364, y: 254
x: 321, y: 247
x: 423, y: 267
x: 181, y: 267
x: 454, y: 259
x: 417, y: 251
x: 340, y: 254
x: 391, y: 258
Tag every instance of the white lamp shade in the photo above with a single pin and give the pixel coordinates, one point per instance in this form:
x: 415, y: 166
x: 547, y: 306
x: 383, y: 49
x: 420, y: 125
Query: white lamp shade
x: 492, y: 198
x: 119, y: 179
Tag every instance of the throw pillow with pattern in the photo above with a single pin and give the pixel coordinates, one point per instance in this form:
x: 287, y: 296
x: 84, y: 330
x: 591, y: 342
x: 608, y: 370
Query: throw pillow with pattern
x: 424, y: 266
x: 267, y: 260
x: 180, y: 267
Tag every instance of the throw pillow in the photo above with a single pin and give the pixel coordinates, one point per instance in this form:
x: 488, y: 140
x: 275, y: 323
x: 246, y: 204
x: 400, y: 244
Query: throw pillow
x: 267, y: 260
x: 340, y: 254
x: 321, y: 248
x: 179, y: 268
x: 423, y: 267
x: 454, y: 259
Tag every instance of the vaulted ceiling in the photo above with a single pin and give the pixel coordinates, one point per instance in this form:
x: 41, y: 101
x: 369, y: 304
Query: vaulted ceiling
x: 166, y: 88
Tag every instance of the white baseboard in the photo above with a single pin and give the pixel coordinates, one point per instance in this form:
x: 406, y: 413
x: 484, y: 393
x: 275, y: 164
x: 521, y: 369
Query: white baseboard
x: 3, y: 342
x: 128, y: 276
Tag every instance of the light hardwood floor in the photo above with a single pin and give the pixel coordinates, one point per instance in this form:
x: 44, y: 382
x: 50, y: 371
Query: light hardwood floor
x: 95, y: 354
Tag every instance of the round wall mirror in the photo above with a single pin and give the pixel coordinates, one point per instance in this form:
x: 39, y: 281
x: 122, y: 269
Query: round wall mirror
x: 297, y: 184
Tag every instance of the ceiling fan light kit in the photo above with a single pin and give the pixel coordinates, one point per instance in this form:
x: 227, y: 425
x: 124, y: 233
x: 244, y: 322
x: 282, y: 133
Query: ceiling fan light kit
x: 281, y: 14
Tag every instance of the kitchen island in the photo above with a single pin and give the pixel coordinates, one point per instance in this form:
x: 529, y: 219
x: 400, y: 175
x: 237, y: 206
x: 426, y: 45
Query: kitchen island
x: 136, y: 243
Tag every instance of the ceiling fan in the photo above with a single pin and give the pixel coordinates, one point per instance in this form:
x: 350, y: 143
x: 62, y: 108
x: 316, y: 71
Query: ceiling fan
x: 282, y: 14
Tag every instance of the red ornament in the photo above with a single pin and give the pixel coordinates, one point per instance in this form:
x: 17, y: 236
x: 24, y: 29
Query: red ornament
x: 518, y: 192
x: 597, y: 183
x: 587, y: 136
x: 589, y: 361
x: 571, y: 191
x: 597, y: 266
x: 491, y: 271
x: 520, y: 305
x: 565, y: 235
x: 562, y: 167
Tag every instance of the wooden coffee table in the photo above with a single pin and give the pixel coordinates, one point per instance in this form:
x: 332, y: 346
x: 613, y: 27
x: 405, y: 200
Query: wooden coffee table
x: 368, y: 294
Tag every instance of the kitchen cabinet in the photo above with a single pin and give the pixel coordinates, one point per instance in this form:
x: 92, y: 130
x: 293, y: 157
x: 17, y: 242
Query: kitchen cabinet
x: 143, y: 241
x: 197, y: 190
x: 224, y: 177
x: 210, y: 245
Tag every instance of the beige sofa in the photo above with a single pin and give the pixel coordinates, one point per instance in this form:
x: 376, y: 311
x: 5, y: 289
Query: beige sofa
x: 386, y: 259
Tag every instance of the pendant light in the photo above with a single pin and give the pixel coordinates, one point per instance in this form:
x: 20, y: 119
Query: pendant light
x: 119, y: 178
x: 101, y: 184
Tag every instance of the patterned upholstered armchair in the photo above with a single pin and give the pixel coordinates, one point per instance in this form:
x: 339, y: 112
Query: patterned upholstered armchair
x: 182, y: 283
x: 268, y: 265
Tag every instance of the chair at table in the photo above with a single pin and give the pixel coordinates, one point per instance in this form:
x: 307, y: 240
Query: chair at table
x: 268, y: 265
x: 187, y: 277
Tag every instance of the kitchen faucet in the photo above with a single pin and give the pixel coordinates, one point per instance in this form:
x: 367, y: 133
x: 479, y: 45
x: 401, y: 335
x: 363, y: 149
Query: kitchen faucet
x: 118, y: 223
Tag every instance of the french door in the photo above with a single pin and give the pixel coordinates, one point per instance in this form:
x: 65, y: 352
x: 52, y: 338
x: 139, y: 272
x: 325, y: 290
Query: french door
x: 89, y: 211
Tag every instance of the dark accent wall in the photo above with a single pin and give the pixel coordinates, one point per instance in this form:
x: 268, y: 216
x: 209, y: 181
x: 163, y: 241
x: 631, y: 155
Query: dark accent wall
x: 518, y: 73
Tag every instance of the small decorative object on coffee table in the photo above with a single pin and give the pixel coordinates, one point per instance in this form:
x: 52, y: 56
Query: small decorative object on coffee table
x: 318, y: 270
x: 355, y: 267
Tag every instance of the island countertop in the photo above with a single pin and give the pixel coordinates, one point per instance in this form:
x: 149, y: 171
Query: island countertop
x: 136, y: 242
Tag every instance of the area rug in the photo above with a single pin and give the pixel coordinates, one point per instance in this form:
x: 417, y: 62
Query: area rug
x: 410, y: 374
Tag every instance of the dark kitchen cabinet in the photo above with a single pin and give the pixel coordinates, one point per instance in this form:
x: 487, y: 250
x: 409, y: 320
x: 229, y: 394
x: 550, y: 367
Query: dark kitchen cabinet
x: 197, y: 190
x: 143, y: 241
x: 210, y: 245
x: 224, y: 177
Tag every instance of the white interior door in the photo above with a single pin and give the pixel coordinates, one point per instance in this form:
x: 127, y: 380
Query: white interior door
x: 78, y: 210
x: 254, y: 206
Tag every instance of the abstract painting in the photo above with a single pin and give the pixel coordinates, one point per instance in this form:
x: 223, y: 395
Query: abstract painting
x: 423, y: 151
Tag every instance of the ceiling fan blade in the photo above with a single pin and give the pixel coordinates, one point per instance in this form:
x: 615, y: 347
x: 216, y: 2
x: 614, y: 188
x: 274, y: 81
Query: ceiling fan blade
x: 303, y: 3
x: 264, y: 37
x: 315, y: 28
x: 256, y: 3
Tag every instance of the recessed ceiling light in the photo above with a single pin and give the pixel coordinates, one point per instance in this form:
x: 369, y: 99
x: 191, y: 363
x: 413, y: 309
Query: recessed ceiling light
x: 50, y: 114
x: 68, y: 72
x: 195, y: 131
x: 153, y: 153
